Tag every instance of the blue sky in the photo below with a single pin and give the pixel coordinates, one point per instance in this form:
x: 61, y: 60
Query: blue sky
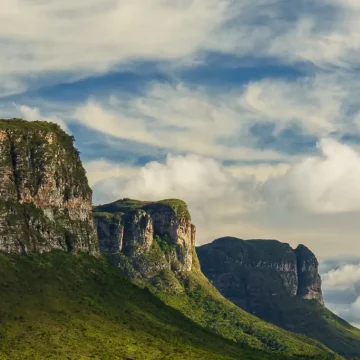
x: 248, y: 110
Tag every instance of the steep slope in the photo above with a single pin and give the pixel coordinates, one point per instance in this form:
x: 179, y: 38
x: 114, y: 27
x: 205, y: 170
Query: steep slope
x: 154, y: 243
x: 278, y: 284
x: 64, y: 306
x: 45, y: 200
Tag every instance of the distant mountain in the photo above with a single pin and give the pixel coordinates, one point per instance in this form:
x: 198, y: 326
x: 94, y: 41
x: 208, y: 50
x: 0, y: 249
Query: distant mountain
x: 278, y: 284
x: 154, y: 244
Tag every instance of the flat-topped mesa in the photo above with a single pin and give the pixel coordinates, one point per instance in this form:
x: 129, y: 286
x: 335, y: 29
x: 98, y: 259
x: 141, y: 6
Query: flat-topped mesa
x: 45, y: 199
x: 141, y: 229
x: 261, y: 267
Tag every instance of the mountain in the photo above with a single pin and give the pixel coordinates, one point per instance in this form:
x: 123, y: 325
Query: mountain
x: 154, y: 244
x: 45, y: 199
x: 59, y: 297
x: 278, y: 284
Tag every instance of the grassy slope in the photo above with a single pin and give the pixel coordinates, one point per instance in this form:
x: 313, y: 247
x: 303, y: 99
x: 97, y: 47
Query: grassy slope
x: 201, y: 302
x: 310, y: 318
x: 195, y: 297
x: 62, y: 306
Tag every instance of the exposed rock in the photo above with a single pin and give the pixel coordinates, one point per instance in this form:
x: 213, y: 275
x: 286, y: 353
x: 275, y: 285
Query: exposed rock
x: 247, y: 272
x: 151, y: 236
x: 309, y: 286
x: 45, y: 200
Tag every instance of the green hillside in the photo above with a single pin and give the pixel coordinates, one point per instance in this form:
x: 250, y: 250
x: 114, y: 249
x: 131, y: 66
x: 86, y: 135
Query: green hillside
x: 64, y: 306
x: 189, y: 291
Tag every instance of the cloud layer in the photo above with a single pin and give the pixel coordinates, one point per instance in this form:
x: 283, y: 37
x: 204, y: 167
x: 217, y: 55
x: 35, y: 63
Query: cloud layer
x: 341, y: 286
x: 86, y: 37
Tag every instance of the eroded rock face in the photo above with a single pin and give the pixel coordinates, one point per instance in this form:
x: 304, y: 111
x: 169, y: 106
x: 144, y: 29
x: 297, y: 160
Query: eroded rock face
x: 151, y: 236
x: 255, y: 271
x: 309, y: 286
x: 45, y: 200
x: 264, y: 277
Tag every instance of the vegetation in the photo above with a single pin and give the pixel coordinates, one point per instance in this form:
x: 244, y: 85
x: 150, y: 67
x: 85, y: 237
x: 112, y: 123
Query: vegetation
x: 126, y: 205
x: 65, y: 306
x: 203, y: 304
x: 164, y: 243
x: 37, y: 129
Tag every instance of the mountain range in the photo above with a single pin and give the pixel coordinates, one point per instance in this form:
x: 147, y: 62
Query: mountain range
x: 125, y: 280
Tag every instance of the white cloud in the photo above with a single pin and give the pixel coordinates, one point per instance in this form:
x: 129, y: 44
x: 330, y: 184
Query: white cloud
x: 91, y: 37
x: 88, y: 36
x: 345, y: 276
x: 314, y: 103
x: 341, y: 287
x: 329, y: 183
x: 218, y: 125
x: 325, y: 34
x: 98, y: 170
x: 178, y: 119
x: 34, y: 114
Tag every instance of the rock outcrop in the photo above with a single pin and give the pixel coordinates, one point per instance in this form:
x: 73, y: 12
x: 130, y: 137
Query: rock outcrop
x: 309, y: 280
x: 151, y: 236
x: 45, y: 200
x: 248, y: 272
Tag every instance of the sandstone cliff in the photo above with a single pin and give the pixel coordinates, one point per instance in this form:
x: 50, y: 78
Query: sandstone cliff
x: 148, y: 236
x: 45, y: 200
x: 247, y: 272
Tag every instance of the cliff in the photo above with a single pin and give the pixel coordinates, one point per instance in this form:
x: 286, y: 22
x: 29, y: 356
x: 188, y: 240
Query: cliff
x: 283, y: 269
x: 148, y: 236
x: 45, y: 200
x: 279, y: 285
x: 309, y: 280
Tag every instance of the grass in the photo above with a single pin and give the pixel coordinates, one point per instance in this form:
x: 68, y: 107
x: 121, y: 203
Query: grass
x: 126, y: 205
x: 65, y: 306
x: 203, y: 304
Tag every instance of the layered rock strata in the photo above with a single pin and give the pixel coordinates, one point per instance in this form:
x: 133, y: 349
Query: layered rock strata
x: 45, y: 199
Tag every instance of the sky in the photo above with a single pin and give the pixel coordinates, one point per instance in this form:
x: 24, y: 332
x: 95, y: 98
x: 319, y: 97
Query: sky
x: 248, y: 110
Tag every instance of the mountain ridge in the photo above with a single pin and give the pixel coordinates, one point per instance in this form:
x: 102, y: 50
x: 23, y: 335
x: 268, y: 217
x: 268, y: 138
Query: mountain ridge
x: 153, y: 263
x: 57, y: 301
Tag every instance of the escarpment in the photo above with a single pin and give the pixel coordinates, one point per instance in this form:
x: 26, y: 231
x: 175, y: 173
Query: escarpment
x: 151, y: 236
x: 245, y: 271
x: 45, y: 200
x: 154, y: 244
x: 278, y: 284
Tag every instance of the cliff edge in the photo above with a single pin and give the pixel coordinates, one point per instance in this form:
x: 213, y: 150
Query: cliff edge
x: 45, y: 199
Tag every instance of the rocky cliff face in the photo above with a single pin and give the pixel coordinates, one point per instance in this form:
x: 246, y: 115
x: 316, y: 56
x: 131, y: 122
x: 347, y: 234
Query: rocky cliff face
x: 45, y: 200
x: 148, y: 236
x: 249, y: 271
x: 309, y: 280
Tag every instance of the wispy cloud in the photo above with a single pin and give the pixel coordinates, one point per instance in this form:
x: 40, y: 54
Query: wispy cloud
x: 87, y: 37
